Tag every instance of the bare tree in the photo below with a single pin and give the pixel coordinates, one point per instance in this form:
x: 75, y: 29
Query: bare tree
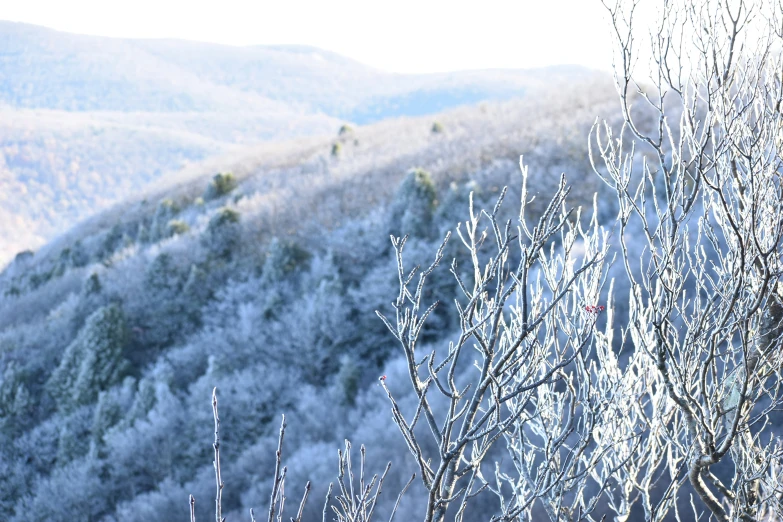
x: 696, y: 169
x: 527, y: 314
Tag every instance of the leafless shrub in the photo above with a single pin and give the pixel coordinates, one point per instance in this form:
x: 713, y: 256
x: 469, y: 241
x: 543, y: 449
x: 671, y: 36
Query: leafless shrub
x: 357, y: 500
x: 355, y: 503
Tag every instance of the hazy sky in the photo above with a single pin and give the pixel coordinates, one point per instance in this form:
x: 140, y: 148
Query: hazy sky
x: 399, y: 35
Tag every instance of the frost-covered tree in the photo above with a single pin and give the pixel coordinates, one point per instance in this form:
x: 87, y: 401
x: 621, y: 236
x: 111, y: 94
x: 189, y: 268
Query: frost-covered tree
x: 223, y: 233
x: 698, y: 184
x: 317, y: 330
x: 160, y: 227
x: 696, y: 168
x: 168, y: 305
x: 222, y: 184
x: 72, y: 492
x: 112, y: 241
x: 527, y: 312
x: 93, y: 362
x: 414, y: 204
x: 282, y: 258
x: 15, y: 399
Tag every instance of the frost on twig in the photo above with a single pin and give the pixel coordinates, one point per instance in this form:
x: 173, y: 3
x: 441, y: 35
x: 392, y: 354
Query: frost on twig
x: 696, y: 169
x: 352, y: 505
x: 542, y: 380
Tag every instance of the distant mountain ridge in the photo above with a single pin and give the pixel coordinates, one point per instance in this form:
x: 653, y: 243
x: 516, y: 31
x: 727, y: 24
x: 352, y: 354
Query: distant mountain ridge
x: 45, y: 69
x: 85, y: 120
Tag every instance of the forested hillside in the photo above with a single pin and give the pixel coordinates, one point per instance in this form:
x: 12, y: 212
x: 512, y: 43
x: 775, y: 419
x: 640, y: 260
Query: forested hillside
x: 562, y: 306
x: 258, y: 273
x: 85, y: 121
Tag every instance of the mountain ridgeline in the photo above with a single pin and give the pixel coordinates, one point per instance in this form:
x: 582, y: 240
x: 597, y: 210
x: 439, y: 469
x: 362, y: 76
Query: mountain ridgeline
x: 47, y: 69
x: 85, y: 120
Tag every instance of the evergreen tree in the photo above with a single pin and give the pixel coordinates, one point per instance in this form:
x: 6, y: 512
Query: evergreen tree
x: 164, y: 214
x: 414, y: 204
x: 223, y: 233
x: 79, y: 255
x: 93, y: 361
x: 15, y: 399
x: 112, y: 241
x: 222, y: 184
x: 282, y: 258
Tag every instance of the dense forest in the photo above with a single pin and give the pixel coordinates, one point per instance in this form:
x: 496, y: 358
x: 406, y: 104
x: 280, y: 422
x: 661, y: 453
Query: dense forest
x: 566, y: 306
x: 261, y: 280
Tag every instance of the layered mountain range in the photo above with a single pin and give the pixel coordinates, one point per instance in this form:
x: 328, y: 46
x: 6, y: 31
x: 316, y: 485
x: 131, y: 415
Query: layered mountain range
x: 86, y: 121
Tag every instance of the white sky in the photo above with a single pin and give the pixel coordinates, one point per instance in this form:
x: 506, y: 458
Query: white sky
x: 409, y: 36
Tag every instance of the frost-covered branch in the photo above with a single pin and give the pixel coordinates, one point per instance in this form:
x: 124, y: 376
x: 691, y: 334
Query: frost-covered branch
x: 543, y: 380
x: 696, y: 169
